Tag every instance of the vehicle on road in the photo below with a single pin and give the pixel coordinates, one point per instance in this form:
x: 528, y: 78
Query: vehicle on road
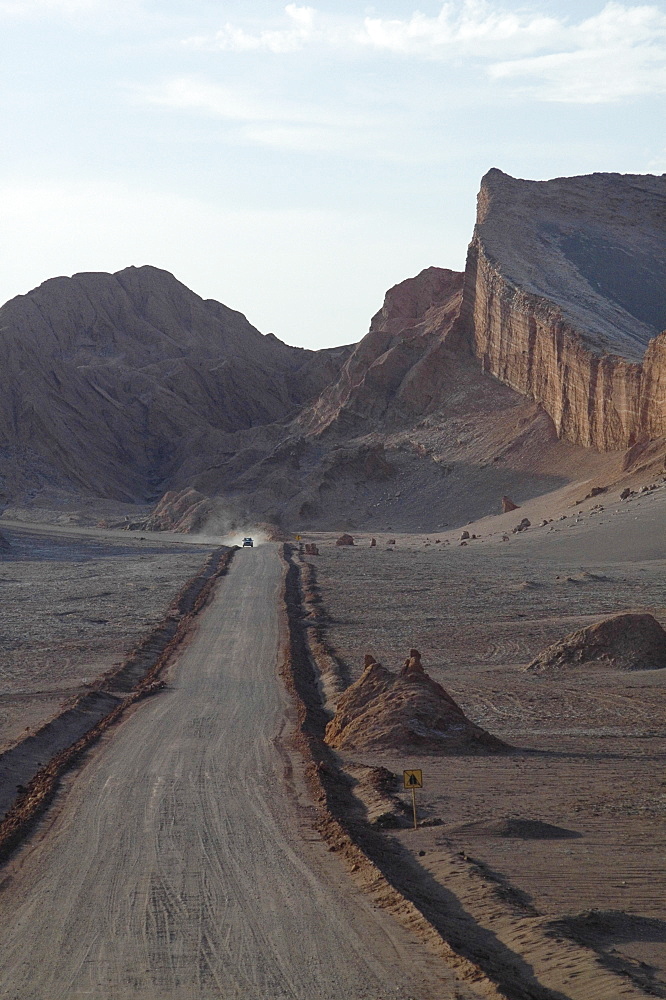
x: 248, y: 543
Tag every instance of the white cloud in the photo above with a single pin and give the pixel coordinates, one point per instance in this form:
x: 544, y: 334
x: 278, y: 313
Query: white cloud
x: 302, y: 30
x: 475, y: 28
x: 619, y: 52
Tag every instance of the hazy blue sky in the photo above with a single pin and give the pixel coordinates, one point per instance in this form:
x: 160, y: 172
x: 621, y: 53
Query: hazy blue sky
x: 295, y: 161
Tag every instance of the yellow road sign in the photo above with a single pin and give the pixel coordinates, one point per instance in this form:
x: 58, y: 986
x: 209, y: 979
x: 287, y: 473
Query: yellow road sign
x: 412, y: 779
x: 298, y: 538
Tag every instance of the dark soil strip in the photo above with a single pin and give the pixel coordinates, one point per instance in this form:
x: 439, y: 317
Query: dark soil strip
x: 81, y: 725
x: 475, y: 954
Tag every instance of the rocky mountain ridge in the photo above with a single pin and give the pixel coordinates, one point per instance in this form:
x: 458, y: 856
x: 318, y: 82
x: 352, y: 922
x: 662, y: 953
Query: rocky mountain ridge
x: 510, y: 378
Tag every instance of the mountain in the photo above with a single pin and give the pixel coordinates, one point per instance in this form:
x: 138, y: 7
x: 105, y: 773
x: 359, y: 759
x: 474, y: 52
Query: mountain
x: 543, y: 363
x: 108, y: 378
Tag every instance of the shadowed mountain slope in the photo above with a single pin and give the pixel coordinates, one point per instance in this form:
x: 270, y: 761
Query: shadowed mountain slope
x: 106, y: 377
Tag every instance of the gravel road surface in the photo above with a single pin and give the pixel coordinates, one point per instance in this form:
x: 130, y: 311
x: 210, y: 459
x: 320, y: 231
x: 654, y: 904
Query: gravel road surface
x: 176, y: 862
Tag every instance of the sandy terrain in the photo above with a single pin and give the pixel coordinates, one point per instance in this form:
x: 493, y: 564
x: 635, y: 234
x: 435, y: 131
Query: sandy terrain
x: 73, y: 602
x: 207, y: 880
x: 589, y: 745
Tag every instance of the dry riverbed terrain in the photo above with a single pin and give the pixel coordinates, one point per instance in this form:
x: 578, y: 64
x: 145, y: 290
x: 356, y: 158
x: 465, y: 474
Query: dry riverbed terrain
x: 569, y: 829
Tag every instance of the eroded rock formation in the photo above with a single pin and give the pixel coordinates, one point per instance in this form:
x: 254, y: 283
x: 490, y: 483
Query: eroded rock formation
x: 408, y: 711
x: 565, y: 300
x: 621, y: 642
x: 186, y: 511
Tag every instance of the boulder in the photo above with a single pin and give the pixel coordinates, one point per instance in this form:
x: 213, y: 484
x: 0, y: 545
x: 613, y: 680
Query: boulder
x: 345, y: 540
x: 373, y: 542
x: 508, y: 505
x: 620, y: 642
x: 464, y: 535
x: 406, y: 711
x: 311, y: 549
x: 523, y: 526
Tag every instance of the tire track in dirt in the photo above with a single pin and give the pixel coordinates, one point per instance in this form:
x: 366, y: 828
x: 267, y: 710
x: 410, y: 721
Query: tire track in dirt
x: 64, y: 739
x: 174, y: 866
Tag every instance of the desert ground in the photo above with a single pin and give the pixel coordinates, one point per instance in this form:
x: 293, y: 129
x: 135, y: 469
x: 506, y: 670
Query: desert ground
x: 554, y: 849
x: 588, y: 743
x: 74, y: 601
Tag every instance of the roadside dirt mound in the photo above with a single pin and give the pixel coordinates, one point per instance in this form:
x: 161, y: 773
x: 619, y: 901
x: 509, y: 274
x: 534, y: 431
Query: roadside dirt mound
x: 521, y: 829
x: 622, y: 642
x: 383, y: 710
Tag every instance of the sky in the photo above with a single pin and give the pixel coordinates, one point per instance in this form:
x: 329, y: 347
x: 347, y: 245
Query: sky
x: 296, y: 161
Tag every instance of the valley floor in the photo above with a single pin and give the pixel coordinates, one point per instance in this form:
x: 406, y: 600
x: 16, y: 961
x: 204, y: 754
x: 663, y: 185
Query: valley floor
x: 589, y: 755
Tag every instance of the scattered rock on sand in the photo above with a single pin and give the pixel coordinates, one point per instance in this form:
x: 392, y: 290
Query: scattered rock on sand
x: 311, y: 549
x: 383, y: 710
x: 509, y: 505
x: 621, y: 642
x: 464, y: 535
x: 523, y: 526
x: 345, y: 540
x: 373, y: 542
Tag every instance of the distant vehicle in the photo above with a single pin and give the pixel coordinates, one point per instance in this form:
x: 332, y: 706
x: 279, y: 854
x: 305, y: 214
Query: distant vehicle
x: 248, y: 543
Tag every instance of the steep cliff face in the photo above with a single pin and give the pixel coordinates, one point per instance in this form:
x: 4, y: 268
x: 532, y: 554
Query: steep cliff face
x: 565, y: 300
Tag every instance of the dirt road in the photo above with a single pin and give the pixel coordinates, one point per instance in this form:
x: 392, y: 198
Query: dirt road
x: 176, y: 865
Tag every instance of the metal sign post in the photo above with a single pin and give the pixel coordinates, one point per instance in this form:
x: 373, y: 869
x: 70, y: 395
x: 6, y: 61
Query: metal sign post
x: 413, y: 780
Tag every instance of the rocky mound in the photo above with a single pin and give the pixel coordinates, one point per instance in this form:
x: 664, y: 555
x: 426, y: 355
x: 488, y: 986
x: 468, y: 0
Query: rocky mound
x: 406, y: 711
x: 621, y: 642
x: 565, y: 289
x: 511, y: 827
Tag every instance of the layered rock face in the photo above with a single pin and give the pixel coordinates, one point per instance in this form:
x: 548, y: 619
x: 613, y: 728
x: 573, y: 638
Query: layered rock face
x: 111, y: 382
x: 565, y: 300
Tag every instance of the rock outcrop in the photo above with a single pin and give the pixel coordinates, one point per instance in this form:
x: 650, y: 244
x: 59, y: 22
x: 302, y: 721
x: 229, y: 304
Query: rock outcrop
x: 621, y: 642
x: 406, y: 711
x: 509, y: 505
x: 565, y: 300
x: 185, y: 511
